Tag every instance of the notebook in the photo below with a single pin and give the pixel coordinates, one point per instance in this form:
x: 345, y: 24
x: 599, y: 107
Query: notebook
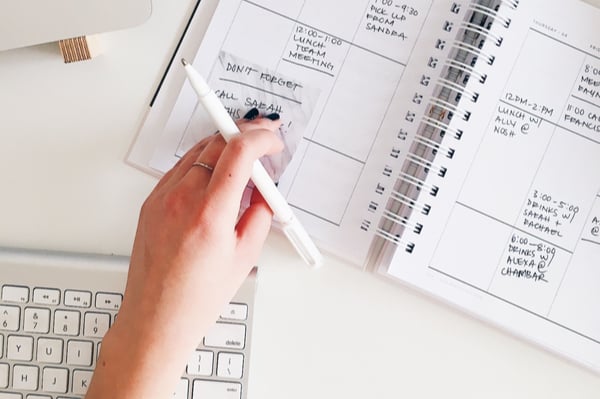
x: 453, y: 146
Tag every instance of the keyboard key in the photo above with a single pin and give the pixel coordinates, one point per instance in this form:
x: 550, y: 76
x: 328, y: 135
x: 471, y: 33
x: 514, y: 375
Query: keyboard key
x: 66, y: 322
x: 36, y: 320
x: 230, y: 365
x: 235, y: 311
x: 182, y: 389
x: 216, y: 390
x: 78, y: 299
x: 79, y: 353
x: 46, y: 296
x: 7, y: 395
x: 4, y: 368
x: 224, y: 335
x: 200, y: 363
x: 25, y: 378
x: 81, y: 381
x: 9, y: 317
x: 49, y: 350
x: 1, y: 345
x: 19, y: 348
x: 108, y: 301
x: 38, y: 397
x: 14, y: 293
x: 96, y: 324
x: 55, y: 379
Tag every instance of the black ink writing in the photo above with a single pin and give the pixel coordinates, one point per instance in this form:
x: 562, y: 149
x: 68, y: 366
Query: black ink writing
x: 581, y: 117
x: 265, y: 107
x: 511, y: 122
x: 527, y: 258
x: 548, y: 215
x: 530, y: 105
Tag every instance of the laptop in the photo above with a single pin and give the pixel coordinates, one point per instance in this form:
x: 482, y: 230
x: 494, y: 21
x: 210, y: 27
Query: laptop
x: 28, y: 22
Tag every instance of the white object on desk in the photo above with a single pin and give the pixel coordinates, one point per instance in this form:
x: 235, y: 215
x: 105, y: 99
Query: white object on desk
x: 28, y: 22
x: 290, y: 224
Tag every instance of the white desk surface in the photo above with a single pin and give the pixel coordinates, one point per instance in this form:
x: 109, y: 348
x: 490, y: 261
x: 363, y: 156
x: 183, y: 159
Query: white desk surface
x: 333, y: 333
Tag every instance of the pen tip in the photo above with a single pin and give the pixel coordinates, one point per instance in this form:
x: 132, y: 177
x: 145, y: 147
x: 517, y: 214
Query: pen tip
x: 184, y: 62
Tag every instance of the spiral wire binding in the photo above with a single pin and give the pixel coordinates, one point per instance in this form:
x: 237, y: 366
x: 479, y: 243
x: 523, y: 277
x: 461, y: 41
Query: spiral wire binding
x: 475, y: 51
x: 433, y: 189
x: 491, y: 13
x: 467, y: 70
x: 458, y: 88
x: 444, y: 127
x: 411, y: 191
x: 485, y: 33
x: 449, y: 107
x: 435, y: 146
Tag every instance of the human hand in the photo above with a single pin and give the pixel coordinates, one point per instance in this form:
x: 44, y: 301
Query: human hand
x: 190, y: 255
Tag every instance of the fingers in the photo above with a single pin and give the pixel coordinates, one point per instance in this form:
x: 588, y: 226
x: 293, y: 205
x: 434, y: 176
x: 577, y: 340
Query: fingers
x: 213, y: 145
x: 253, y: 228
x: 232, y: 163
x: 199, y: 176
x: 175, y: 174
x: 234, y: 167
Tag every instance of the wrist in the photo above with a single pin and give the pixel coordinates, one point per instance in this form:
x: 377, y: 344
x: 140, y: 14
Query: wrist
x: 130, y: 360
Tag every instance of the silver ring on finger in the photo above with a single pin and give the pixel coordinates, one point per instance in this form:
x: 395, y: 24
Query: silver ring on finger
x: 204, y: 165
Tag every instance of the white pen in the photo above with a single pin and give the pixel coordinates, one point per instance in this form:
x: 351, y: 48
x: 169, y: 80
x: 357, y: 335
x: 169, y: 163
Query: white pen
x: 282, y: 211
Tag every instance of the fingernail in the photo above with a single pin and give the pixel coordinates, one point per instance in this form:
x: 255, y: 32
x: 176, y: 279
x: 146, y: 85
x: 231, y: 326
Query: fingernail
x: 274, y: 116
x: 252, y: 114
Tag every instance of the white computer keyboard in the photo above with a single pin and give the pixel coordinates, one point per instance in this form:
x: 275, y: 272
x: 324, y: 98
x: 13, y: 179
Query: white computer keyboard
x: 56, y: 307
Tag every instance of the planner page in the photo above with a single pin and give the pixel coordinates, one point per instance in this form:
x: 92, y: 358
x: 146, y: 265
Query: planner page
x: 515, y: 235
x: 356, y: 63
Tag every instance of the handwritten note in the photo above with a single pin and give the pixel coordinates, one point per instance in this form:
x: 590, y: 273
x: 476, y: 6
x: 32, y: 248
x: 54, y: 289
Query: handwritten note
x: 241, y: 85
x: 511, y: 122
x: 528, y: 259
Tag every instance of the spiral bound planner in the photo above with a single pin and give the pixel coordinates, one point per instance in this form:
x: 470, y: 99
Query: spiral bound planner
x: 452, y: 146
x: 434, y: 125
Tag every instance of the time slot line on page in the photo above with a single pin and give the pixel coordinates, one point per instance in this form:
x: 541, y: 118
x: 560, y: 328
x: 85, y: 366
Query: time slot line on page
x: 590, y: 241
x: 308, y: 67
x: 512, y: 226
x: 585, y: 100
x: 582, y: 335
x: 360, y: 161
x: 315, y: 215
x: 260, y: 89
